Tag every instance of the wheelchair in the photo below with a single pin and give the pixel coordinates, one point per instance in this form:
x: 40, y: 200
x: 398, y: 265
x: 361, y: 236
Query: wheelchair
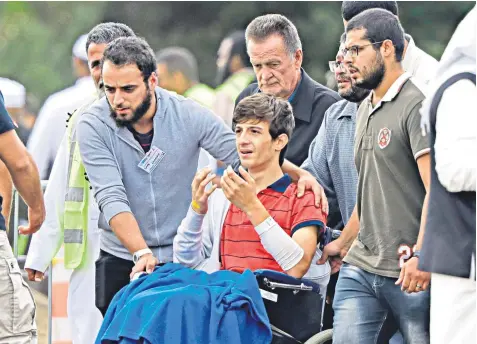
x: 294, y: 307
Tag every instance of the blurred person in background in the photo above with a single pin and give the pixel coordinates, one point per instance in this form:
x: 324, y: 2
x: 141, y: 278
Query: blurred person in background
x: 51, y: 122
x: 276, y: 54
x: 71, y: 211
x: 177, y: 70
x: 234, y: 73
x: 415, y: 61
x: 17, y: 317
x: 16, y: 104
x: 448, y: 251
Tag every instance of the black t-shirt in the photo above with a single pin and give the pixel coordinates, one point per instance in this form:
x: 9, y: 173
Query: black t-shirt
x: 144, y: 140
x: 6, y: 124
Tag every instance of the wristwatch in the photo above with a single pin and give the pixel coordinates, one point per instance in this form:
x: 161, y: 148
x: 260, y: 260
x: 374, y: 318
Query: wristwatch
x: 138, y: 254
x: 417, y: 254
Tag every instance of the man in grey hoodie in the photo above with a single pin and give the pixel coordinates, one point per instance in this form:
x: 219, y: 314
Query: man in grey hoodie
x: 140, y: 146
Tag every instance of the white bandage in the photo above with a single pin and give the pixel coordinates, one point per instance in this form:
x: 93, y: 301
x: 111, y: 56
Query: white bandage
x: 276, y: 241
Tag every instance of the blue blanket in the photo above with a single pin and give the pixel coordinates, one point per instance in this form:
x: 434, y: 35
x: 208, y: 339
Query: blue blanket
x: 176, y: 305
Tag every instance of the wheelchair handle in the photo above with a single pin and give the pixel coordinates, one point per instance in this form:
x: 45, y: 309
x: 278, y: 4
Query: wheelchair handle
x: 273, y: 285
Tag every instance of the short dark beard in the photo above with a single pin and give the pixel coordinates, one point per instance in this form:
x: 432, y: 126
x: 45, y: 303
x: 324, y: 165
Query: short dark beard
x: 375, y: 76
x: 138, y: 113
x: 355, y: 94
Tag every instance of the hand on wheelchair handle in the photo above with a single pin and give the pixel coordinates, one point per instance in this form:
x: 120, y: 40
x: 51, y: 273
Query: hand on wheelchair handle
x: 146, y: 263
x: 333, y: 250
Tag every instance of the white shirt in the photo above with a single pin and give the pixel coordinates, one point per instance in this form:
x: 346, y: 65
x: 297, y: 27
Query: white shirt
x: 419, y: 64
x: 456, y: 121
x: 456, y: 138
x: 50, y: 125
x: 46, y: 242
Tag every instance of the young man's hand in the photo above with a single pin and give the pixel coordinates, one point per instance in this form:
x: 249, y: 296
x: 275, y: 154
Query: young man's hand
x: 412, y: 279
x: 336, y: 251
x: 241, y: 192
x: 200, y: 195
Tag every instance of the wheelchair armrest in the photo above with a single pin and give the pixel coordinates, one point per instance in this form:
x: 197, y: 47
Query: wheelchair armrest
x: 284, y: 279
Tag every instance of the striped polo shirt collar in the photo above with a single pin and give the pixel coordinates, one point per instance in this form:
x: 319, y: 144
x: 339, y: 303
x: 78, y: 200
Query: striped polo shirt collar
x: 281, y: 184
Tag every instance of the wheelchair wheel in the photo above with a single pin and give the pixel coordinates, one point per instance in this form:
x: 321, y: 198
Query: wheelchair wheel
x: 321, y: 338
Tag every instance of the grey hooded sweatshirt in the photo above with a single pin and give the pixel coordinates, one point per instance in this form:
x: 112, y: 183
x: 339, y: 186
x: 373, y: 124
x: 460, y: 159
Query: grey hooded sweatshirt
x: 158, y: 200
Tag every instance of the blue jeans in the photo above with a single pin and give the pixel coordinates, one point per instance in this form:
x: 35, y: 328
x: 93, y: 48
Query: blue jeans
x: 365, y: 304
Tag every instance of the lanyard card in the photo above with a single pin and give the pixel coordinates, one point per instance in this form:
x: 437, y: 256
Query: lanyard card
x: 151, y: 159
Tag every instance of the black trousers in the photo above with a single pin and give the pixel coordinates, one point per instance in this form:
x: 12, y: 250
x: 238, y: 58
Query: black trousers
x: 112, y: 274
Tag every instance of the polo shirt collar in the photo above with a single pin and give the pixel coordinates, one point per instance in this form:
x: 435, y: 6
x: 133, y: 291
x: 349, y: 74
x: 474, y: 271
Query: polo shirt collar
x: 281, y: 184
x: 392, y: 92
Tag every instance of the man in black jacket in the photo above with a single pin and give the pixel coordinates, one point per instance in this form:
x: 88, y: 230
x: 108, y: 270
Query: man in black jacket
x: 276, y: 54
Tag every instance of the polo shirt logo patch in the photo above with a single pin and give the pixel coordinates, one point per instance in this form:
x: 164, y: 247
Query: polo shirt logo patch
x: 384, y: 137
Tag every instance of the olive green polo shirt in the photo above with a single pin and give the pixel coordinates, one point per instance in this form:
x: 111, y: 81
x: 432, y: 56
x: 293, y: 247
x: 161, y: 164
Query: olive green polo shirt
x: 390, y: 193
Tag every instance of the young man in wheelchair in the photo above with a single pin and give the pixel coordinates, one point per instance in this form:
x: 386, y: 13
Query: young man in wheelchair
x: 255, y: 221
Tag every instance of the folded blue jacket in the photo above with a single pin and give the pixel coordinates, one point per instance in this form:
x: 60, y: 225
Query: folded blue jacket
x: 175, y: 304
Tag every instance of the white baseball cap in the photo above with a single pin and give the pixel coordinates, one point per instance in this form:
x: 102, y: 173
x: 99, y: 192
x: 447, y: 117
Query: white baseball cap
x: 79, y: 48
x: 13, y: 92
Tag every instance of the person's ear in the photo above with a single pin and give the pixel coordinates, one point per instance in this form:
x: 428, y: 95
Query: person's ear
x: 298, y: 58
x: 153, y: 80
x: 387, y: 48
x: 280, y: 142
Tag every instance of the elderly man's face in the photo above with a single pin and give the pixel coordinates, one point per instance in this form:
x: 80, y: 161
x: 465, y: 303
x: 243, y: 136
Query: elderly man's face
x: 95, y: 54
x: 277, y: 72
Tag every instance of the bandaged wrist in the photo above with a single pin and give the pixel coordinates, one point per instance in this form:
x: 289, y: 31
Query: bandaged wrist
x: 279, y: 244
x: 265, y: 225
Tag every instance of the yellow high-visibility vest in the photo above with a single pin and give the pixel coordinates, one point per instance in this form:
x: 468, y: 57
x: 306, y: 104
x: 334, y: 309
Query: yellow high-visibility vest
x: 202, y: 94
x: 236, y: 83
x: 75, y: 216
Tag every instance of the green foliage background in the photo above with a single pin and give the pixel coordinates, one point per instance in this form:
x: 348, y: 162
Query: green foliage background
x: 36, y: 37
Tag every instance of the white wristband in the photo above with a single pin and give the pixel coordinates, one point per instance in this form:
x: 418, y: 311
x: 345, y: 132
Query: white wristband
x: 138, y: 254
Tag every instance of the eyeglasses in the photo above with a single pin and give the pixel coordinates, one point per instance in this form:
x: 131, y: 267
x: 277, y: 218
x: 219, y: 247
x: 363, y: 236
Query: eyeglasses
x: 334, y: 65
x: 355, y: 49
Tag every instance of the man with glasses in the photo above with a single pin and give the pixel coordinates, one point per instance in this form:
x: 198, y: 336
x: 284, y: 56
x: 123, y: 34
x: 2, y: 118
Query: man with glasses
x: 417, y: 62
x: 393, y: 165
x: 330, y: 161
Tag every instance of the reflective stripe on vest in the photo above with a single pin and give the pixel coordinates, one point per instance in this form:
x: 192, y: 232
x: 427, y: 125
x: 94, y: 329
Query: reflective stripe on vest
x: 75, y: 216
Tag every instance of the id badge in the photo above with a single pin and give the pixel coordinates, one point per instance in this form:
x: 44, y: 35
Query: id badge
x: 151, y: 159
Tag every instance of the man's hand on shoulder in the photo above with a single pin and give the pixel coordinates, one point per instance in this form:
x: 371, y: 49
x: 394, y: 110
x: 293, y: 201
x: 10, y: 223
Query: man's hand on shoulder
x: 307, y: 182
